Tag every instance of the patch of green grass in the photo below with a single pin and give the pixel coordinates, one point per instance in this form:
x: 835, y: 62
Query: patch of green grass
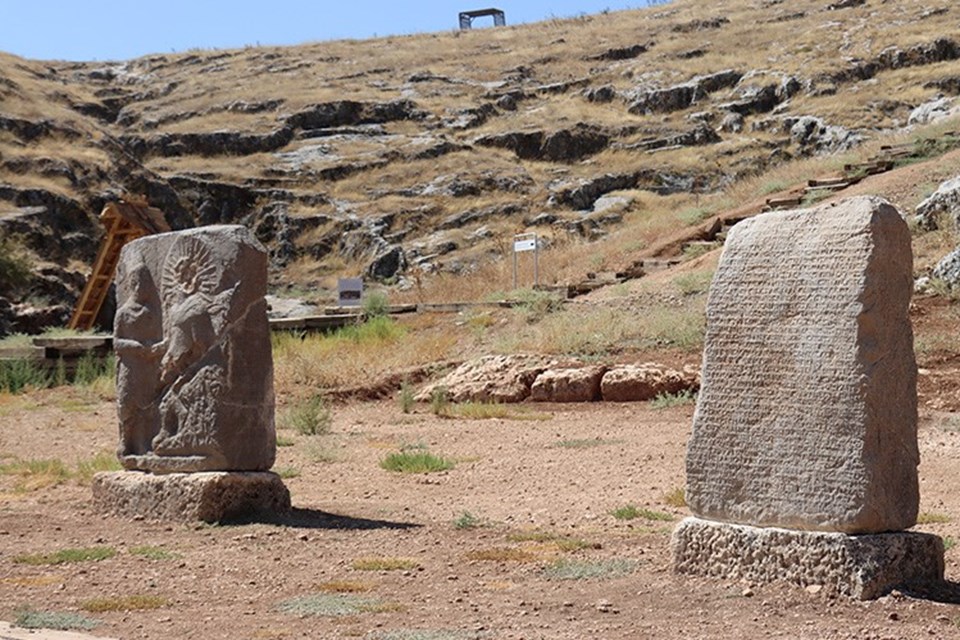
x: 631, y: 511
x: 90, y: 369
x: 65, y: 556
x: 384, y: 564
x: 376, y: 330
x: 416, y: 462
x: 103, y: 461
x: 676, y: 497
x: 501, y: 554
x: 36, y: 474
x: 283, y: 441
x: 585, y: 443
x: 406, y: 397
x: 375, y: 305
x: 439, y: 401
x: 124, y: 603
x: 932, y: 517
x: 467, y: 520
x: 329, y: 604
x: 693, y: 215
x: 20, y: 374
x: 154, y: 553
x: 566, y: 569
x: 692, y: 251
x: 667, y: 400
x: 773, y: 186
x: 949, y: 543
x: 59, y: 620
x: 489, y: 411
x: 288, y: 472
x: 693, y: 283
x: 564, y: 543
x: 311, y: 417
x: 536, y: 305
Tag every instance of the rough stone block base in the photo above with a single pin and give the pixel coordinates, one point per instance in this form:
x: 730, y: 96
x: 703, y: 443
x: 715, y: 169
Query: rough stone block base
x: 186, y: 497
x: 860, y: 566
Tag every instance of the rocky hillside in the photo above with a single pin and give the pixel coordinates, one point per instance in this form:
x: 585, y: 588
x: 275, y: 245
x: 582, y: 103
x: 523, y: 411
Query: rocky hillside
x: 422, y: 154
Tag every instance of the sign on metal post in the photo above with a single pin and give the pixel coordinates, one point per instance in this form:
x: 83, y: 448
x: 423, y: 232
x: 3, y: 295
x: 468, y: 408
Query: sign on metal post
x: 349, y: 292
x: 526, y: 242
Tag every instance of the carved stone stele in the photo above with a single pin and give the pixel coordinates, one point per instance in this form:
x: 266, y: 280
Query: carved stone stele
x: 807, y: 415
x: 195, y: 372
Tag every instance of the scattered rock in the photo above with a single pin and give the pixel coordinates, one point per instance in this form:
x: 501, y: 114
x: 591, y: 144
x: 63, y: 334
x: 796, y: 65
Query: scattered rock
x: 948, y: 269
x: 633, y: 383
x: 700, y: 25
x: 621, y: 53
x: 348, y: 113
x: 581, y: 384
x: 603, y: 94
x: 936, y: 109
x: 732, y: 123
x: 945, y: 201
x: 586, y: 192
x: 565, y: 145
x: 814, y: 134
x: 491, y: 379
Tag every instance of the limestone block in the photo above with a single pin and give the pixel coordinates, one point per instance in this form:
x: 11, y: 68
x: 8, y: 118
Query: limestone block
x: 637, y: 383
x: 858, y: 566
x: 807, y: 414
x: 490, y: 379
x: 195, y: 373
x: 580, y: 384
x: 212, y: 496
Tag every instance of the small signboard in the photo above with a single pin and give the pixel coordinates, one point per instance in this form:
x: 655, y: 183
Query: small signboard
x: 525, y: 244
x: 349, y: 292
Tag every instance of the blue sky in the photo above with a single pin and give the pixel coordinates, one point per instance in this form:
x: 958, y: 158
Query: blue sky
x: 120, y: 29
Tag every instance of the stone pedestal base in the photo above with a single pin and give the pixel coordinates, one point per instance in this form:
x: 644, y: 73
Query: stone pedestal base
x: 212, y: 496
x: 860, y: 566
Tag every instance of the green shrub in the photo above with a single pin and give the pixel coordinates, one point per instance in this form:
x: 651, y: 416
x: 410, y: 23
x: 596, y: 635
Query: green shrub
x: 439, y: 401
x: 16, y: 265
x: 66, y: 556
x: 467, y: 520
x: 22, y: 373
x: 375, y: 305
x: 667, y: 400
x: 416, y: 462
x: 406, y: 397
x: 310, y: 418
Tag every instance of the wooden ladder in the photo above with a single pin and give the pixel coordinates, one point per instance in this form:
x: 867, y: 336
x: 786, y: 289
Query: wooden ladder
x: 120, y: 231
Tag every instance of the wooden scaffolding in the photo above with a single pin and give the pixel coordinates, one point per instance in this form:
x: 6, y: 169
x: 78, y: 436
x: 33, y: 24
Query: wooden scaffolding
x: 124, y: 221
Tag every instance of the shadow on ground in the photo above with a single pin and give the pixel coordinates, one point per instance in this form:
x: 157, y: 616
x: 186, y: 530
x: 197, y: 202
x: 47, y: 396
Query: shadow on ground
x: 315, y: 519
x: 945, y: 592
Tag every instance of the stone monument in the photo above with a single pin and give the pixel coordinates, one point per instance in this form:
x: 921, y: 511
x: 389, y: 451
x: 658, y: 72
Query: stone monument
x: 194, y: 380
x: 802, y: 465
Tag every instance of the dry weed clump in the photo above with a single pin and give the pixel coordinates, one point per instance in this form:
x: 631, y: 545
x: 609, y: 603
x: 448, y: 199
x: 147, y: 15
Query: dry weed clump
x: 363, y: 353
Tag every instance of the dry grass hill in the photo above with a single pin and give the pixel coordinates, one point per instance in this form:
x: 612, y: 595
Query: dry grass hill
x: 414, y: 159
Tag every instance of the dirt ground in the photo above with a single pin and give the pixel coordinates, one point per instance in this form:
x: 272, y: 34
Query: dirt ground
x: 529, y: 483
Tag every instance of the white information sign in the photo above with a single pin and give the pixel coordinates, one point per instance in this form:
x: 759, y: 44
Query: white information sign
x: 527, y: 244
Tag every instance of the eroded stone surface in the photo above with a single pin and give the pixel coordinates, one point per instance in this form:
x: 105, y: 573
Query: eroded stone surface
x: 490, y: 379
x: 195, y: 376
x: 862, y: 567
x: 577, y: 384
x: 187, y: 497
x: 807, y: 412
x: 640, y: 382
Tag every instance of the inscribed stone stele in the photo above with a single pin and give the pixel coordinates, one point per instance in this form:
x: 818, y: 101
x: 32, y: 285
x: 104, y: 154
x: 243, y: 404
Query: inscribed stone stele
x: 807, y: 414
